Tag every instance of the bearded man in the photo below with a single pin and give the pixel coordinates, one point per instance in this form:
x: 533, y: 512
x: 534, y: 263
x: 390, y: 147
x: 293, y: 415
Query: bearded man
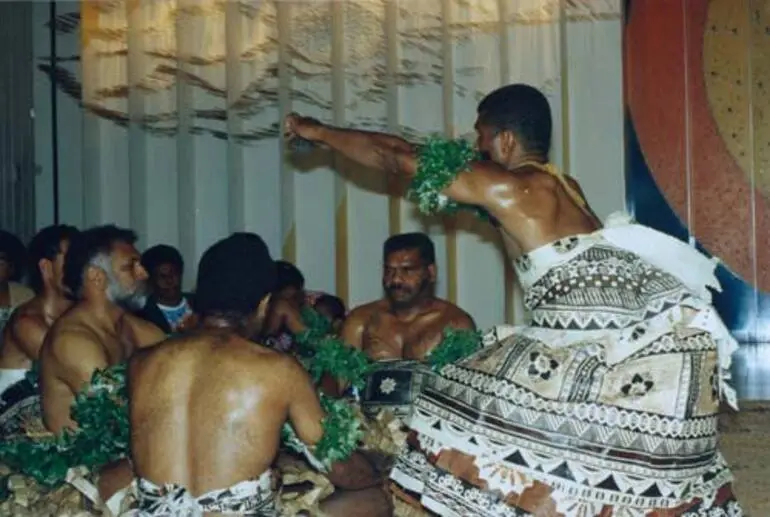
x: 104, y: 274
x: 607, y: 403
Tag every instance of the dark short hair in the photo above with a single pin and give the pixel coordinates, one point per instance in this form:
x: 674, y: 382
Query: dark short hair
x: 335, y: 305
x: 15, y: 254
x: 162, y: 254
x: 522, y: 110
x: 411, y: 241
x: 234, y: 275
x: 46, y: 244
x: 288, y: 275
x: 86, y: 246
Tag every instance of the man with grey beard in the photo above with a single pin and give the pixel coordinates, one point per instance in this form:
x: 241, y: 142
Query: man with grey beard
x: 104, y: 275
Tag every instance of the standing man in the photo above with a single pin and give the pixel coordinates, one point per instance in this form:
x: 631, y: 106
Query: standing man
x: 25, y: 331
x: 593, y: 408
x: 202, y: 447
x: 400, y: 329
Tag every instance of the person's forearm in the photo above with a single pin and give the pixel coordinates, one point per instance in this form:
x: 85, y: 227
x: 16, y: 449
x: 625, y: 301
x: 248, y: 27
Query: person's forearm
x: 378, y: 151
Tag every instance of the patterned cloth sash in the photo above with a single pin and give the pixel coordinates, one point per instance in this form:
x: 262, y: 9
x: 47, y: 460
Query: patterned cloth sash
x: 691, y: 267
x: 393, y: 386
x: 255, y: 498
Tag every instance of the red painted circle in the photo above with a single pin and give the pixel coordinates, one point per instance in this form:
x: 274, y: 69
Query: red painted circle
x: 664, y: 76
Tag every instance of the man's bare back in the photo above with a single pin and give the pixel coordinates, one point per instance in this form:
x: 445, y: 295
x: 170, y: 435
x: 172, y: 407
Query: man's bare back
x: 207, y: 410
x: 78, y: 344
x: 24, y: 334
x: 383, y: 334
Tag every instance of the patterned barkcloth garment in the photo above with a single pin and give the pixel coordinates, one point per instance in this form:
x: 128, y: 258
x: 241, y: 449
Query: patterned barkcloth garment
x: 249, y: 498
x: 393, y: 386
x: 20, y: 411
x: 605, y: 405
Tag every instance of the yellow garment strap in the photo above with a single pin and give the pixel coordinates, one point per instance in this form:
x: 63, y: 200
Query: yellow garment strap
x: 551, y: 169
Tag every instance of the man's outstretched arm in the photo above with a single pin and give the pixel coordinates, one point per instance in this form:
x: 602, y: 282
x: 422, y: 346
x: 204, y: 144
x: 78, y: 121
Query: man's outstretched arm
x: 380, y: 151
x: 487, y: 184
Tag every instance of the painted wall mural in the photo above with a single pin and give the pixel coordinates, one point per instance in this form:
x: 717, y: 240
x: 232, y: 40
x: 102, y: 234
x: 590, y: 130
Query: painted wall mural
x: 697, y: 79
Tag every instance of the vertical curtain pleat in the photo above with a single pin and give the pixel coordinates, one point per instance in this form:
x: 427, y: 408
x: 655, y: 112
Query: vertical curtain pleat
x: 181, y: 137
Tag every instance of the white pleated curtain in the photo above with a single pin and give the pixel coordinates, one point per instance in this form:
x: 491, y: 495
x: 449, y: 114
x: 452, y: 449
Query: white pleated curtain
x: 184, y: 99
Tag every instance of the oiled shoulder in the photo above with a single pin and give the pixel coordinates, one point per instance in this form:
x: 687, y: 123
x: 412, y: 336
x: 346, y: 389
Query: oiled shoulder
x: 69, y: 338
x: 454, y: 316
x: 245, y: 361
x: 364, y: 313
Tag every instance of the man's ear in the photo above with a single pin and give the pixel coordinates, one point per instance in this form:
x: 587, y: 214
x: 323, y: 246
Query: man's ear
x: 46, y: 268
x: 96, y: 276
x: 264, y: 304
x: 432, y: 273
x: 506, y: 144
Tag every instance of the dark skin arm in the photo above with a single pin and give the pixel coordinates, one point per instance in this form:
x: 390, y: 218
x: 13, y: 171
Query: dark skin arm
x: 306, y: 415
x: 29, y: 333
x: 462, y: 321
x: 487, y: 185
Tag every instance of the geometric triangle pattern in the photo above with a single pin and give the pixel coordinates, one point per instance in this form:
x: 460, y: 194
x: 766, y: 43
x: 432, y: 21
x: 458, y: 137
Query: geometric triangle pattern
x: 606, y: 399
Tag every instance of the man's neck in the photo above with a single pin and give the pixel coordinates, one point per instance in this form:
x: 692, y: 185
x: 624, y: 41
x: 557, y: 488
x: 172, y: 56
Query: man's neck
x: 169, y: 301
x: 222, y: 325
x: 103, y: 311
x: 528, y: 158
x: 418, y: 307
x: 53, y: 303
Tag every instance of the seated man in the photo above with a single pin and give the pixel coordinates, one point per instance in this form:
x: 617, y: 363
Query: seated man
x: 405, y: 326
x: 333, y: 309
x: 167, y: 307
x: 207, y: 409
x: 12, y: 293
x: 284, y: 319
x: 103, y: 273
x: 23, y: 335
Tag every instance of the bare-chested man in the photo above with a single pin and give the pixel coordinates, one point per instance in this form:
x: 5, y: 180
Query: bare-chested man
x: 404, y: 326
x: 24, y: 334
x: 102, y: 271
x: 207, y: 408
x: 408, y: 323
x: 575, y: 413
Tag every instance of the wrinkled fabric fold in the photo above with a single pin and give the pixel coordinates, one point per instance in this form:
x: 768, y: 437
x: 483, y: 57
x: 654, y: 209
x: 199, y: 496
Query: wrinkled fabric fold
x: 607, y: 401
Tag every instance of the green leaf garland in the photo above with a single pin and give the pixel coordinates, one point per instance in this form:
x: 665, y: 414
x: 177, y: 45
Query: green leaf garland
x: 342, y: 431
x: 440, y: 160
x: 328, y: 354
x: 342, y: 362
x: 342, y: 434
x: 101, y: 412
x: 456, y: 345
x: 318, y: 327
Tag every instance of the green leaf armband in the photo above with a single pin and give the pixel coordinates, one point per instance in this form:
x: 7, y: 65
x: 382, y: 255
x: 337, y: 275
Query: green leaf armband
x: 342, y: 433
x: 457, y: 344
x: 342, y: 362
x: 440, y: 160
x: 100, y: 411
x: 317, y: 328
